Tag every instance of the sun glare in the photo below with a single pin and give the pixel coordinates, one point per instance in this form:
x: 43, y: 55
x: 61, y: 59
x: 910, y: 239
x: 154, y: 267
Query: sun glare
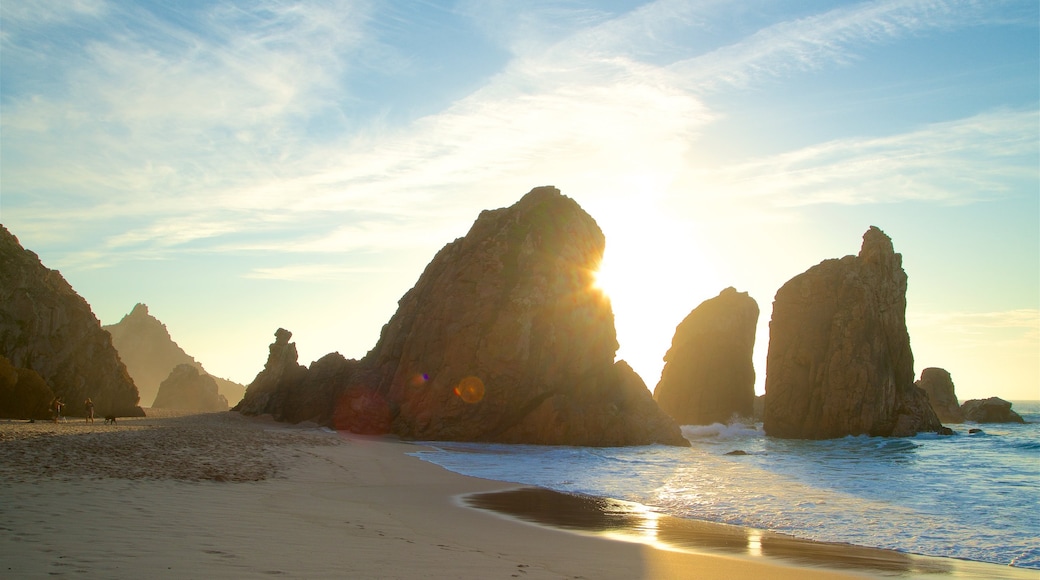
x: 654, y: 274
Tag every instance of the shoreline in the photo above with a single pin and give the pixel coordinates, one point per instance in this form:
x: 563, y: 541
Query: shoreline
x: 230, y: 496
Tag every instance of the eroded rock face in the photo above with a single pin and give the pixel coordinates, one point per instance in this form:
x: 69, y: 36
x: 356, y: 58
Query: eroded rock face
x: 150, y: 354
x: 938, y: 385
x: 48, y: 328
x: 991, y: 410
x: 708, y: 376
x: 504, y: 338
x: 189, y: 390
x: 279, y: 380
x: 839, y: 359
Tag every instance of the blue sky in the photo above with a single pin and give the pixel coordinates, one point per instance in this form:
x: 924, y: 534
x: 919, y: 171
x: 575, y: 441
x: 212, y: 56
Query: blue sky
x: 244, y: 166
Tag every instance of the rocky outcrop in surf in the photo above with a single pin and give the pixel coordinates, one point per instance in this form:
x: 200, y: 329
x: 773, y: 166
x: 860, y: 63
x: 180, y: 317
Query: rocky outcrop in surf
x: 938, y: 385
x: 708, y: 376
x: 991, y: 410
x: 150, y: 355
x: 47, y: 327
x: 839, y: 360
x: 189, y: 390
x: 503, y: 338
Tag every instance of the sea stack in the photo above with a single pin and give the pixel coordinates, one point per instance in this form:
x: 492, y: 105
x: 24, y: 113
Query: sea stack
x: 187, y: 389
x: 938, y: 385
x: 709, y: 376
x: 991, y: 410
x: 47, y: 327
x: 839, y: 360
x: 505, y: 338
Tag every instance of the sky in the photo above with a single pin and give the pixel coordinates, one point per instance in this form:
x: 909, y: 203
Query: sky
x: 245, y: 166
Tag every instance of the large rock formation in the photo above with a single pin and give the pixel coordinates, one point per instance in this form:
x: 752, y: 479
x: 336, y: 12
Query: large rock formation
x: 708, y: 376
x: 503, y: 338
x: 839, y: 360
x: 991, y: 410
x: 938, y: 385
x: 48, y: 328
x: 150, y: 354
x: 279, y: 380
x: 188, y: 390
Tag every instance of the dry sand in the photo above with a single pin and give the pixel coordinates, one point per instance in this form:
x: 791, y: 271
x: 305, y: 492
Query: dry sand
x: 223, y: 496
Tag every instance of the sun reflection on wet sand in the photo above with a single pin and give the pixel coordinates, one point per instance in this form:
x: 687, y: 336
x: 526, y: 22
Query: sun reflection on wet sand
x: 633, y: 522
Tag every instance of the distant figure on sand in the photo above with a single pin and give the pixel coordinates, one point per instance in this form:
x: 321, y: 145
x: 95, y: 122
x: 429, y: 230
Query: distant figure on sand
x: 90, y: 410
x: 57, y: 404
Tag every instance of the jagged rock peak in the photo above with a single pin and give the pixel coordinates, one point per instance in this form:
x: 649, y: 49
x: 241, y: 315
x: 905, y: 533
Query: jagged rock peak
x: 839, y: 360
x: 150, y: 353
x: 877, y: 247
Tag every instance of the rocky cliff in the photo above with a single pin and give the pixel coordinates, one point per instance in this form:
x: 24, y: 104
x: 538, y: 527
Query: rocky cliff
x: 503, y: 338
x: 708, y: 376
x: 48, y: 328
x: 938, y: 385
x: 991, y: 410
x: 189, y: 390
x: 150, y: 354
x: 839, y: 360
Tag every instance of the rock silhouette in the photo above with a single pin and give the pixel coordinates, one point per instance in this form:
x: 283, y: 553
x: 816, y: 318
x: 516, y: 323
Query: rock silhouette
x: 187, y: 389
x: 991, y: 410
x: 47, y: 327
x: 279, y: 380
x: 938, y: 385
x: 839, y: 360
x: 708, y: 376
x: 150, y: 354
x: 503, y: 338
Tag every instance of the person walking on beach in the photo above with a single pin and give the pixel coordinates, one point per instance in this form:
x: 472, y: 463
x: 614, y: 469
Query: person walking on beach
x: 90, y: 410
x: 58, y: 404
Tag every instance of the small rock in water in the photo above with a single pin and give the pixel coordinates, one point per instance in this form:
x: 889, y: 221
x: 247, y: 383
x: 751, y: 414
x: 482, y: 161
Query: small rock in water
x: 944, y: 430
x: 737, y: 452
x: 974, y: 431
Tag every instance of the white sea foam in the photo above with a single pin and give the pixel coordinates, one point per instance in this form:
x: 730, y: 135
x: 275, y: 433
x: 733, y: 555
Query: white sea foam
x: 967, y: 496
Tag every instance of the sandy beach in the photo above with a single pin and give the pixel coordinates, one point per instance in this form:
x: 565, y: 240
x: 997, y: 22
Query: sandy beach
x: 224, y: 496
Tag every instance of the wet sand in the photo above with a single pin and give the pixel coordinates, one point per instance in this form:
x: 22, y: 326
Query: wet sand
x: 220, y: 495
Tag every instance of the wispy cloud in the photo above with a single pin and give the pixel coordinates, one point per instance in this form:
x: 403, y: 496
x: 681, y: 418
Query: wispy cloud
x: 216, y: 124
x: 981, y: 157
x: 829, y: 39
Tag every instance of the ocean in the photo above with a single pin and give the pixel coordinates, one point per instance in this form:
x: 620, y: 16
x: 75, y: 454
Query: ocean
x: 968, y: 496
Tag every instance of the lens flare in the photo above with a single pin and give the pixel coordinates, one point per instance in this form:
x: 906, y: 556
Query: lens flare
x: 470, y: 390
x: 419, y: 379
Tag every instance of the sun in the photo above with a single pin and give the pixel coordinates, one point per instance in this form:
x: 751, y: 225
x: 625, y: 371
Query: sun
x: 654, y: 274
